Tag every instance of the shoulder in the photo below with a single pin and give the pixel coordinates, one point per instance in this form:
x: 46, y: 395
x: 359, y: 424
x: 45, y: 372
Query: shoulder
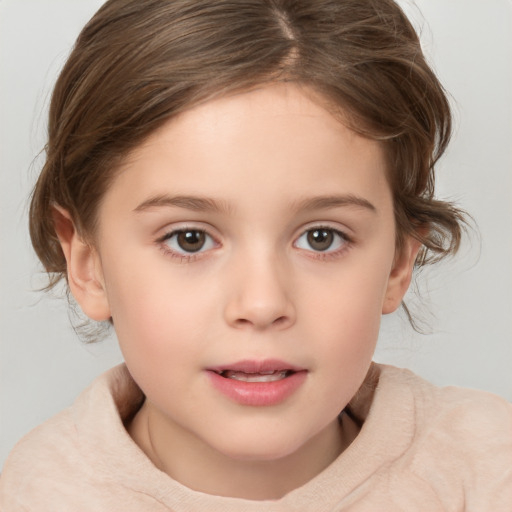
x: 471, y: 413
x: 462, y: 439
x: 36, y: 458
x: 60, y: 458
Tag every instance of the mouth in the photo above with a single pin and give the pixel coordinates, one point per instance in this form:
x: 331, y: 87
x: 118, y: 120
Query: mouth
x: 268, y: 370
x: 268, y: 376
x: 257, y: 383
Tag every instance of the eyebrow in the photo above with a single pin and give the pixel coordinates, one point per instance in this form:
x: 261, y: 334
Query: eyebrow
x: 206, y: 204
x: 194, y: 203
x: 334, y: 201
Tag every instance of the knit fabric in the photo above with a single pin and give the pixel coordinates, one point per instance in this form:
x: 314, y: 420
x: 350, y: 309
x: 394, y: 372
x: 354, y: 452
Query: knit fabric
x: 420, y: 447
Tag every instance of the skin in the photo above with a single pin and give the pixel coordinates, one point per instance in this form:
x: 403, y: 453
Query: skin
x: 256, y: 290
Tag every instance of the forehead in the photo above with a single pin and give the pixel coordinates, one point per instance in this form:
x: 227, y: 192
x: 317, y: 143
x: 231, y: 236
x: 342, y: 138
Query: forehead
x: 278, y: 140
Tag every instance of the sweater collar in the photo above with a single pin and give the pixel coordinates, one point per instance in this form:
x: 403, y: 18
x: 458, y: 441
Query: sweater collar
x: 383, y: 406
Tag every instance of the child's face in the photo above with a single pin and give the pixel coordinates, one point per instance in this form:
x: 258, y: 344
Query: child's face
x: 252, y: 228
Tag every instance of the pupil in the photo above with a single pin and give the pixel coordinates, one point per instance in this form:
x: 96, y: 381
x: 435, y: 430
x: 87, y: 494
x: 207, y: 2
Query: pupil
x: 191, y: 241
x: 320, y: 239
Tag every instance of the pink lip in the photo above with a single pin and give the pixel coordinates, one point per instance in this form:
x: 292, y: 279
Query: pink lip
x: 257, y: 393
x: 251, y: 366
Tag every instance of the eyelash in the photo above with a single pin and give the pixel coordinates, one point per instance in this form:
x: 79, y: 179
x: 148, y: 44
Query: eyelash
x: 346, y: 243
x: 185, y: 257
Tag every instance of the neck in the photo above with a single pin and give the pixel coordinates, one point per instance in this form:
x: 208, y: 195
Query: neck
x: 198, y: 466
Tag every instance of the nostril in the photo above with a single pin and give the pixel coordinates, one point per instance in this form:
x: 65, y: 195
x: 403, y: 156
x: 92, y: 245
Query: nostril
x: 259, y: 311
x: 244, y: 322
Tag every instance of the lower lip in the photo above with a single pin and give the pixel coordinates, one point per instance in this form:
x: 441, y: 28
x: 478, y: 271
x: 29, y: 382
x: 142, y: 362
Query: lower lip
x: 258, y: 393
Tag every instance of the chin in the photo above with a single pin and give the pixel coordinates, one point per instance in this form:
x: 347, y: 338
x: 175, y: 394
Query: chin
x: 259, y: 448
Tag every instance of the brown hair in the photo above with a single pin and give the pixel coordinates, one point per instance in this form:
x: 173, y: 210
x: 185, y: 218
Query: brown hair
x: 137, y: 64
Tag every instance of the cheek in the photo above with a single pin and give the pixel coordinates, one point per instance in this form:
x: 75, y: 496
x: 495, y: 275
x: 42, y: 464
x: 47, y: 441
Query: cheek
x: 345, y: 315
x: 152, y: 311
x: 350, y: 295
x: 157, y: 334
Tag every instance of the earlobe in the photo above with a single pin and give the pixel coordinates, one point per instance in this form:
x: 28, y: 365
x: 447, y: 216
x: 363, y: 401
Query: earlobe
x: 84, y: 272
x: 401, y: 275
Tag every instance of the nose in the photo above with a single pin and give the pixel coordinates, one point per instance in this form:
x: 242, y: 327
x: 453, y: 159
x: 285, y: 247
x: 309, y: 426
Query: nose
x: 259, y: 295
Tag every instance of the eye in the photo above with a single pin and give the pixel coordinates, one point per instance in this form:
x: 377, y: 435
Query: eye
x: 188, y: 241
x: 321, y: 240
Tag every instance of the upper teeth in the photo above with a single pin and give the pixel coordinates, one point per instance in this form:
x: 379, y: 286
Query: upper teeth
x: 268, y: 376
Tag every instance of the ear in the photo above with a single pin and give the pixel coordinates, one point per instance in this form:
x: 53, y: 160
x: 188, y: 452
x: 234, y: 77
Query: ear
x: 84, y: 272
x: 401, y: 274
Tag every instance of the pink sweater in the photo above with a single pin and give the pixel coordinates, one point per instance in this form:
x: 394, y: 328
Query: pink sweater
x: 421, y: 448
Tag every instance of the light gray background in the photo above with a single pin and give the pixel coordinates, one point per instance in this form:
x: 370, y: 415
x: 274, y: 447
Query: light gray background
x: 467, y: 303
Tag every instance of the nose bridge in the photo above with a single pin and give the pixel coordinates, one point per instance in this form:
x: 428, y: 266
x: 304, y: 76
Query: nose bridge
x: 259, y: 294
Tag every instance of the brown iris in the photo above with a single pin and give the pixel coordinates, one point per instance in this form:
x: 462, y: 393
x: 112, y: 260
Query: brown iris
x: 191, y: 241
x: 320, y: 239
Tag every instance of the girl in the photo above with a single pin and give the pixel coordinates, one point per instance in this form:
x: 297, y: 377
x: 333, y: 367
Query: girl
x: 242, y: 189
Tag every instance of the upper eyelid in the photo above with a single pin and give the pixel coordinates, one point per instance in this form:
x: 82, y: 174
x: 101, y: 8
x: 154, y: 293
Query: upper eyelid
x: 322, y: 226
x: 344, y: 232
x: 168, y: 230
x: 339, y: 232
x: 171, y: 232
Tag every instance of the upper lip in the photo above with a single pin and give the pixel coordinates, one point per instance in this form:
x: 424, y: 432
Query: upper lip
x: 256, y: 366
